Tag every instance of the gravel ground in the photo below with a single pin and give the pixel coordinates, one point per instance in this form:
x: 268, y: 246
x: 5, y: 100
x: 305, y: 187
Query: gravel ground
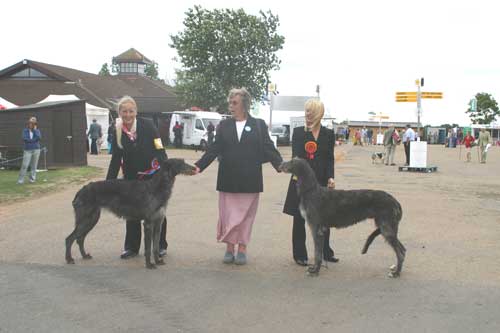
x: 450, y: 280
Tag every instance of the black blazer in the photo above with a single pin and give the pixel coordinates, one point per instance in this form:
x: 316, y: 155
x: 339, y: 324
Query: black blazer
x: 136, y: 156
x: 322, y: 163
x: 240, y: 162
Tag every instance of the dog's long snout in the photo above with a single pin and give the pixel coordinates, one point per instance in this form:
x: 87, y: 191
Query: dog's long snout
x: 188, y: 169
x: 282, y: 167
x: 285, y: 167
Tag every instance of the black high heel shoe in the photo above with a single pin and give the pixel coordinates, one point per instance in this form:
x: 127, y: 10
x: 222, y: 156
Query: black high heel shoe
x: 331, y: 259
x: 127, y: 254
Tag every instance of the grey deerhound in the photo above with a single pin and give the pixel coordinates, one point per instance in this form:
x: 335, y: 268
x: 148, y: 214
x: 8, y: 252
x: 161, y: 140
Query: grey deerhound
x: 324, y: 208
x: 130, y: 199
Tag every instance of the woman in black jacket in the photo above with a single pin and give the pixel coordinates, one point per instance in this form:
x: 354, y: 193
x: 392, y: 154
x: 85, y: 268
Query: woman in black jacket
x: 314, y: 143
x: 137, y: 149
x: 242, y: 144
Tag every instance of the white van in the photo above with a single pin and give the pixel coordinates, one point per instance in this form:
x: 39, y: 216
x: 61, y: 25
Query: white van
x: 195, y: 125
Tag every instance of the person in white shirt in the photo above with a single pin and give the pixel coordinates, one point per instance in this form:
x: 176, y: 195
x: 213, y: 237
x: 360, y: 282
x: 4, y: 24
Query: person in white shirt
x: 408, y: 137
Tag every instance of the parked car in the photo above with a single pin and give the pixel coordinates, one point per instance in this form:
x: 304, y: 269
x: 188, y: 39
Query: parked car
x: 282, y: 134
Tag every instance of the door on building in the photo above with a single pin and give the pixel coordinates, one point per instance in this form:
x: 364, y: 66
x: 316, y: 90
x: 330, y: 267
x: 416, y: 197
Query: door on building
x: 63, y: 139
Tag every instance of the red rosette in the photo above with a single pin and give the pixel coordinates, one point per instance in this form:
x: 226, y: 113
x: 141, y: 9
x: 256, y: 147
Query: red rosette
x: 155, y: 164
x: 311, y: 147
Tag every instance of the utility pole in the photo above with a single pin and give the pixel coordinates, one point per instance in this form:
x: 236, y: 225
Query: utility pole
x: 271, y: 88
x: 419, y: 82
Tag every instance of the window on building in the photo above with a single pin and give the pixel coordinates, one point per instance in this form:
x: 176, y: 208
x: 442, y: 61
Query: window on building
x: 23, y: 73
x: 35, y: 73
x: 128, y: 67
x: 141, y: 69
x: 28, y: 73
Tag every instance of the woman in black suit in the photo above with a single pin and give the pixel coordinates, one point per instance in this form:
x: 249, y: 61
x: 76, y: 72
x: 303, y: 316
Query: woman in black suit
x: 135, y: 148
x: 314, y: 143
x: 242, y: 144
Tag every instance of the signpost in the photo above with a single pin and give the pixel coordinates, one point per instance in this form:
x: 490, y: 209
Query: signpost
x: 418, y: 150
x: 378, y: 116
x: 473, y: 104
x: 416, y: 96
x: 406, y: 96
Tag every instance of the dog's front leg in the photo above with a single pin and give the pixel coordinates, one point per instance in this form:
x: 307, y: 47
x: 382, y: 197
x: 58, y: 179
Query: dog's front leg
x: 318, y: 237
x: 156, y: 240
x: 148, y: 230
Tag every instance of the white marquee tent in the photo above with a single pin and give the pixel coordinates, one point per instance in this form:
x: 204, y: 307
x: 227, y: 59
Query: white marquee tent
x: 92, y: 112
x: 6, y: 104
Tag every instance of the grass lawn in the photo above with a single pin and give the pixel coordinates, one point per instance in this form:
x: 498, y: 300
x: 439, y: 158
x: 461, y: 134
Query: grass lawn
x: 47, y: 181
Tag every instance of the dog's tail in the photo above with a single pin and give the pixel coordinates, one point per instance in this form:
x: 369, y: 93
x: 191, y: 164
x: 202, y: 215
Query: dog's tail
x: 370, y: 239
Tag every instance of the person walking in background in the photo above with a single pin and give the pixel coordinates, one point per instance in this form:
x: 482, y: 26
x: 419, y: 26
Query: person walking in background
x: 95, y: 134
x: 369, y: 133
x: 178, y: 135
x: 210, y: 133
x: 408, y: 137
x: 243, y: 144
x: 364, y: 136
x: 460, y: 136
x: 31, y: 153
x: 484, y: 144
x: 358, y: 138
x: 391, y: 139
x: 314, y: 143
x: 468, y: 142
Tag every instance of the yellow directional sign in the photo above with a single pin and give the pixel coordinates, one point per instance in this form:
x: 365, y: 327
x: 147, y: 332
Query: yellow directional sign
x: 406, y: 99
x: 432, y: 95
x: 411, y: 96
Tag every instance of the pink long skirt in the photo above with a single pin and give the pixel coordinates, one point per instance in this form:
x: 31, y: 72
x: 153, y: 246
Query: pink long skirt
x: 236, y: 216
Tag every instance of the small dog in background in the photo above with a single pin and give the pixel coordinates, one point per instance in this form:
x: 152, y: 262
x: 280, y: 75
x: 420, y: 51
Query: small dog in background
x: 378, y: 157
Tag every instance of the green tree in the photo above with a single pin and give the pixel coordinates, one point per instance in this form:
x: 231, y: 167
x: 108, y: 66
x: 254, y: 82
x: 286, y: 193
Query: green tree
x: 151, y: 71
x: 104, y: 70
x: 224, y: 49
x: 486, y: 110
x: 448, y: 126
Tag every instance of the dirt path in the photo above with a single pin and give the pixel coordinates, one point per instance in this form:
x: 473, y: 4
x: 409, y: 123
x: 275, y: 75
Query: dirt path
x: 450, y: 281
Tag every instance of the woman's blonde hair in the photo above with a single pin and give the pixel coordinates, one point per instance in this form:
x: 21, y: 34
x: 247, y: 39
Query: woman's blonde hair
x: 317, y: 108
x: 126, y: 100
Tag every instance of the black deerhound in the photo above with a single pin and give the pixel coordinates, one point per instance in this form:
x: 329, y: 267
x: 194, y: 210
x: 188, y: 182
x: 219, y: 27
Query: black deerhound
x: 324, y: 208
x: 130, y: 199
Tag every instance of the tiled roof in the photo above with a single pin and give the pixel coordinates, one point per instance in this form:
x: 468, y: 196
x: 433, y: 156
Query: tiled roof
x: 96, y: 89
x: 131, y: 55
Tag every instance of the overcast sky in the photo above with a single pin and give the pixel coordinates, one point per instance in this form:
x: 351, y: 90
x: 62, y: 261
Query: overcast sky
x: 359, y: 52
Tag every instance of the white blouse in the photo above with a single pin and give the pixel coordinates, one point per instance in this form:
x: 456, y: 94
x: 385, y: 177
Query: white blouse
x: 240, y: 125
